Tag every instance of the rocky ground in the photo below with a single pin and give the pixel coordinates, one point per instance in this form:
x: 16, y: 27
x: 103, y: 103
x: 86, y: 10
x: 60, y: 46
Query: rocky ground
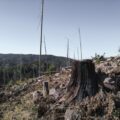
x: 17, y: 102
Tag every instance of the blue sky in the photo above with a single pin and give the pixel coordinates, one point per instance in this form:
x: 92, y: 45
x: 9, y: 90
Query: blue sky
x: 99, y: 21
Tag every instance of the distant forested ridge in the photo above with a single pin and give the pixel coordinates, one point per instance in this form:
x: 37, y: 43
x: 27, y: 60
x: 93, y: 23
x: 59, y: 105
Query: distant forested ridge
x: 19, y: 66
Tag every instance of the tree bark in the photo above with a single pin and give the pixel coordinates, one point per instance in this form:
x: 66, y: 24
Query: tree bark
x: 45, y: 89
x: 83, y: 81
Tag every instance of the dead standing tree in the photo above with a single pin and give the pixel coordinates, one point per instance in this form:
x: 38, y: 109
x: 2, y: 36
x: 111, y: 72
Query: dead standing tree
x: 41, y: 36
x: 80, y: 42
x: 68, y: 47
x: 83, y: 81
x: 45, y: 46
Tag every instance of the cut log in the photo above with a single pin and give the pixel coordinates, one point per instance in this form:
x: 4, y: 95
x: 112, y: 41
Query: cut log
x: 45, y: 89
x: 83, y: 81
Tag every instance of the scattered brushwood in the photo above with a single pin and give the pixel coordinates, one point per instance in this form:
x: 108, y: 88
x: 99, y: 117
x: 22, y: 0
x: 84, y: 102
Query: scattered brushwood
x: 109, y: 73
x: 23, y: 102
x: 12, y: 92
x: 56, y: 112
x: 110, y: 66
x: 45, y: 105
x: 102, y: 106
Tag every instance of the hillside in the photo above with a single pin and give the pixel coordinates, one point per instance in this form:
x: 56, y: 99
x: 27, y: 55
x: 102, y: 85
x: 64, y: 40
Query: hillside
x: 18, y: 66
x: 17, y: 101
x: 15, y: 59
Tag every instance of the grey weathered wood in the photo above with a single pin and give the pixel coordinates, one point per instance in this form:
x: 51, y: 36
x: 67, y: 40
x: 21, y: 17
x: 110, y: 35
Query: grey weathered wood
x: 45, y: 89
x: 45, y: 46
x: 68, y: 62
x: 41, y: 36
x: 80, y: 42
x: 83, y: 81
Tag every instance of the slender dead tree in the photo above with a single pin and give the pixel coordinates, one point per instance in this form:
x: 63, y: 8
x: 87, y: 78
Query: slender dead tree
x: 46, y: 64
x: 45, y: 46
x: 74, y: 56
x: 68, y: 52
x: 78, y: 53
x: 80, y: 42
x: 41, y: 36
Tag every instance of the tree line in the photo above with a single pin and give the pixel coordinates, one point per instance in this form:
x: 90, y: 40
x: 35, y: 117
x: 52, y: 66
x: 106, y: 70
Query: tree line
x: 23, y: 72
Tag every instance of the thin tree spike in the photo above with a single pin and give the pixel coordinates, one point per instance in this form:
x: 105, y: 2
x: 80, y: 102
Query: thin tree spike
x: 68, y: 52
x: 41, y: 36
x: 80, y: 42
x: 74, y: 56
x: 67, y: 48
x: 45, y: 46
x: 78, y: 53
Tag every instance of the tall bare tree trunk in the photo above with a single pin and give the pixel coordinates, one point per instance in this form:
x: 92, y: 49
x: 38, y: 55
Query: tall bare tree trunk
x: 68, y: 62
x: 45, y: 46
x: 41, y: 36
x: 80, y: 43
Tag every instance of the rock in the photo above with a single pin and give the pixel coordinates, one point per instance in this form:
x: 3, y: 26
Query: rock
x: 37, y: 97
x: 57, y: 74
x: 72, y: 114
x: 109, y: 80
x: 116, y: 70
x: 62, y: 99
x: 109, y: 83
x: 62, y: 86
x: 63, y: 70
x: 54, y: 93
x: 109, y: 59
x: 118, y: 94
x: 111, y: 65
x: 24, y: 87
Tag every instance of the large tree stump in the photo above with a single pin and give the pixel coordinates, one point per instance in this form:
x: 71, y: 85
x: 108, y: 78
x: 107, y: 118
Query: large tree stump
x: 83, y: 81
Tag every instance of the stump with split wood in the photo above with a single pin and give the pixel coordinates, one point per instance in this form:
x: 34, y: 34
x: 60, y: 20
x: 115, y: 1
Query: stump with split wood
x: 83, y: 81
